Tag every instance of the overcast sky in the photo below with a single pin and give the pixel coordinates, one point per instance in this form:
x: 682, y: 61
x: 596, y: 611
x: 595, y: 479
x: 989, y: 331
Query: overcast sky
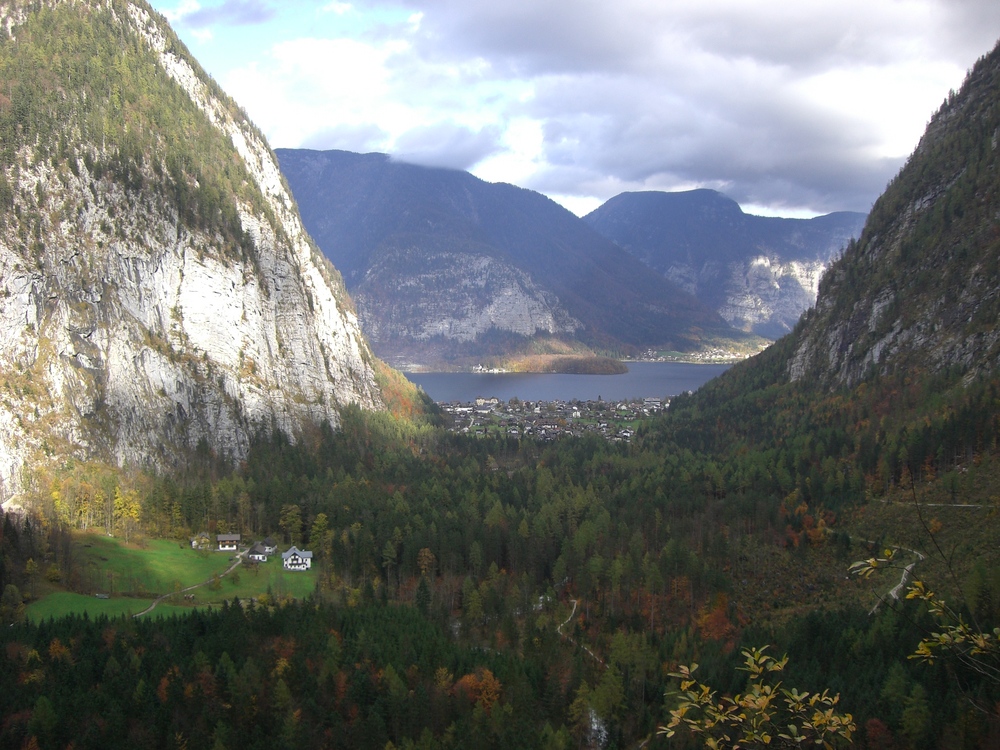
x: 791, y: 107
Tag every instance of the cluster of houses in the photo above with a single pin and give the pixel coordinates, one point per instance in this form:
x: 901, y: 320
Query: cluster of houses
x: 292, y: 559
x: 547, y: 420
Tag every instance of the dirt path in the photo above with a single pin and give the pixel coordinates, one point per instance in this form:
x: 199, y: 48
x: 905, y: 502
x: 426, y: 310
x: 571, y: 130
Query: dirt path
x: 907, y: 572
x: 230, y: 569
x: 572, y: 640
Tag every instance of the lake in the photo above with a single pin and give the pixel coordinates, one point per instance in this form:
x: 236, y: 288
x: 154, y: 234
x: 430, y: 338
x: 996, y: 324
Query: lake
x: 643, y: 379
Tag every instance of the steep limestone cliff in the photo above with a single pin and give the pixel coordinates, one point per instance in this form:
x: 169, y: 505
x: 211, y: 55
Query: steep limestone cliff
x: 921, y: 288
x: 157, y: 289
x: 761, y: 293
x: 459, y: 296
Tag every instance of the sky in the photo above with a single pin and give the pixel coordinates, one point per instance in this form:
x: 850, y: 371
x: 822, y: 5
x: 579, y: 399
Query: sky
x: 790, y: 107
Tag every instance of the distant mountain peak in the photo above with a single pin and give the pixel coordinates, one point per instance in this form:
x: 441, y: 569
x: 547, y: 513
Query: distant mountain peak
x: 759, y: 273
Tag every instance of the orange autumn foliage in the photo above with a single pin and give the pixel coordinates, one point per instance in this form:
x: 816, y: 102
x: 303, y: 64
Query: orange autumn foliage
x: 480, y: 687
x: 57, y: 651
x: 714, y: 623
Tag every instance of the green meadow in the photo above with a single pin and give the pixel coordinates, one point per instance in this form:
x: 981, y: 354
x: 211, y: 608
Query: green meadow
x: 133, y: 576
x: 160, y: 566
x: 61, y: 603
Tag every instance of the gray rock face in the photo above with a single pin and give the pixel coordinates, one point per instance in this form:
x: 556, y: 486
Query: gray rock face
x: 126, y: 335
x: 457, y: 296
x: 762, y: 294
x: 920, y: 290
x: 759, y: 273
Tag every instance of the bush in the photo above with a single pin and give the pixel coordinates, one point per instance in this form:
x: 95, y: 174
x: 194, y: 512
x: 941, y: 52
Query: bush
x: 52, y: 574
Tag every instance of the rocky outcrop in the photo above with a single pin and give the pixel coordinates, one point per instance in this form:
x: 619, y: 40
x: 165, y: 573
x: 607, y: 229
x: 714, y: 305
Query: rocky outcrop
x: 920, y: 290
x: 130, y: 332
x: 762, y: 293
x: 458, y: 296
x: 759, y: 273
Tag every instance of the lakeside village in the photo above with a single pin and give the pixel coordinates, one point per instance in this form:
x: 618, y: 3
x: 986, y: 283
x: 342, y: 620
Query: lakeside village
x: 547, y: 420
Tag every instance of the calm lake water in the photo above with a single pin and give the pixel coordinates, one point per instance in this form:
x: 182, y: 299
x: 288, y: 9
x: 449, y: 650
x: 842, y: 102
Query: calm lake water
x: 643, y: 379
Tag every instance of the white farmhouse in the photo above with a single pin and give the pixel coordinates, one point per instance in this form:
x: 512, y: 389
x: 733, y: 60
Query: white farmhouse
x: 296, y: 559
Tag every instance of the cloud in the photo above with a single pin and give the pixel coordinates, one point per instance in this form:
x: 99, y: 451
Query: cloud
x: 337, y: 8
x: 229, y: 12
x: 809, y: 106
x: 539, y: 37
x: 757, y: 143
x: 311, y: 86
x: 361, y: 138
x: 786, y: 103
x: 357, y: 94
x: 446, y: 144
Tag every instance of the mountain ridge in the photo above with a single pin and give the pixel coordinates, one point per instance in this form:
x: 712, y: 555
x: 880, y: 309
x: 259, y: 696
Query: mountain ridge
x: 159, y: 291
x: 919, y: 288
x: 760, y: 273
x: 518, y: 265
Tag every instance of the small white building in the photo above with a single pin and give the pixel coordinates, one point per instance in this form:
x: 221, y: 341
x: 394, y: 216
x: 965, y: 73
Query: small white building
x: 257, y: 553
x: 296, y: 559
x: 228, y: 542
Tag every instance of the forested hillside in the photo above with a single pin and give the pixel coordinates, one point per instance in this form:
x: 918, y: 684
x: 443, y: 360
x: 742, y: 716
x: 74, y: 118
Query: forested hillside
x: 512, y: 593
x: 682, y: 548
x: 157, y: 289
x: 919, y: 288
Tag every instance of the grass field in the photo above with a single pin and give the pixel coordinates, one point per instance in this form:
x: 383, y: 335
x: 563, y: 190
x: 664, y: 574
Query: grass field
x: 61, y: 603
x: 160, y: 567
x: 133, y: 576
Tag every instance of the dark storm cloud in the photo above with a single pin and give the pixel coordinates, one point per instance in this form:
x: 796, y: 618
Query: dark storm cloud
x: 762, y: 147
x: 231, y: 13
x: 705, y: 93
x: 446, y: 145
x: 532, y: 37
x: 555, y: 36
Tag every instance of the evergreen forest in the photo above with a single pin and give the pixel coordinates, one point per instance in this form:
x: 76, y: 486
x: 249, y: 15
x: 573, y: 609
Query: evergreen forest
x: 503, y: 592
x: 522, y: 594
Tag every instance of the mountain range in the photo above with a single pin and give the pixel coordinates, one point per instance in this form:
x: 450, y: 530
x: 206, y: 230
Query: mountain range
x: 445, y: 266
